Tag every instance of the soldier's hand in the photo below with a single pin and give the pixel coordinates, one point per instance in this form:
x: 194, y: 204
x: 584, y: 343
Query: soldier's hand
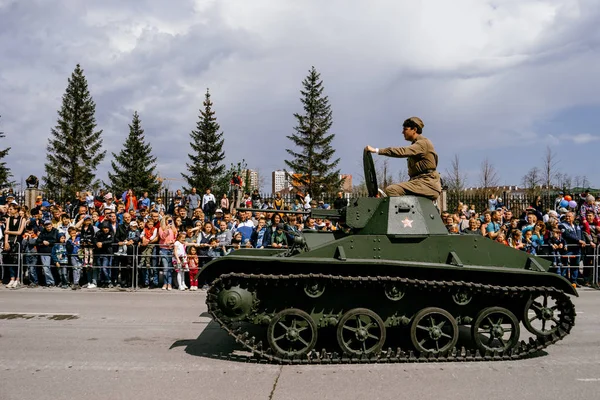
x: 370, y: 149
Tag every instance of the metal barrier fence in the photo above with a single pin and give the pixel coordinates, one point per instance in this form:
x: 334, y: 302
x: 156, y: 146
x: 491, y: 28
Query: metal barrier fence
x: 145, y: 265
x: 583, y: 257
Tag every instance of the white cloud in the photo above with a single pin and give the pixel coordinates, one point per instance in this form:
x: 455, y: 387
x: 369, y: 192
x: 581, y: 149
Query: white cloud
x: 583, y: 138
x: 481, y: 74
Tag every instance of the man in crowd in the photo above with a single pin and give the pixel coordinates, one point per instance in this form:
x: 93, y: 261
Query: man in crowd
x: 209, y: 204
x: 340, y: 202
x: 575, y: 242
x: 192, y: 201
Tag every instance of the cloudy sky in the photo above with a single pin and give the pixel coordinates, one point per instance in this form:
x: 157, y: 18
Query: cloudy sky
x: 491, y: 79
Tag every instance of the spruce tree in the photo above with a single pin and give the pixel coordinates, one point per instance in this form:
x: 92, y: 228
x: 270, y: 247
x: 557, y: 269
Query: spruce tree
x: 205, y: 167
x: 75, y: 146
x: 134, y: 166
x: 314, y: 170
x: 5, y: 173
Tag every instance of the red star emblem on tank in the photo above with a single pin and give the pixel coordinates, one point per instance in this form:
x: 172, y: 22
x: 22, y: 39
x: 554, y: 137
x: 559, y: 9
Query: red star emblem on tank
x: 407, y: 222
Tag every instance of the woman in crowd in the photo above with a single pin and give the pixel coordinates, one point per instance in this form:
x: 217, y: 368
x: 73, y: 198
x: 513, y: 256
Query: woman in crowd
x: 203, y: 241
x: 179, y: 224
x: 13, y: 235
x: 167, y: 236
x: 224, y: 203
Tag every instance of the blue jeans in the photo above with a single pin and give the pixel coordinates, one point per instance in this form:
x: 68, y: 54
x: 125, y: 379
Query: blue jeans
x: 63, y: 274
x: 46, y: 260
x: 154, y: 263
x: 76, y: 264
x: 92, y: 275
x: 30, y: 261
x: 573, y: 262
x: 166, y: 256
x: 104, y: 264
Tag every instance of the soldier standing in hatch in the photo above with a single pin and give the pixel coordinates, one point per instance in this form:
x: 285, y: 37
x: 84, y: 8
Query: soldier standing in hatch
x: 422, y: 163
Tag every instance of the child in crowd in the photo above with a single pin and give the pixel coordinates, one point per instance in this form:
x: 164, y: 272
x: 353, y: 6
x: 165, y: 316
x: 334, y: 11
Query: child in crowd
x: 236, y: 241
x: 514, y: 240
x: 559, y: 248
x: 214, y: 250
x: 73, y: 250
x: 501, y: 238
x: 30, y: 250
x: 60, y: 259
x: 193, y: 266
x: 529, y: 246
x: 279, y: 240
x: 180, y: 260
x: 149, y: 234
x: 86, y: 241
x: 258, y: 237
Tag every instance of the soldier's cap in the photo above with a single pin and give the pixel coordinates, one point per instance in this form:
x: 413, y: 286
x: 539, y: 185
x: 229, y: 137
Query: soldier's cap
x: 417, y: 121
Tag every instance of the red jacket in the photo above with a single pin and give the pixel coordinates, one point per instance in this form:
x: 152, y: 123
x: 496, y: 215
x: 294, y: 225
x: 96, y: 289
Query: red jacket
x: 130, y: 200
x: 586, y: 225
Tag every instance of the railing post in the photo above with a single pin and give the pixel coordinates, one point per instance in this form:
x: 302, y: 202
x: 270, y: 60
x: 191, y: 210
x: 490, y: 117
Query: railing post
x: 134, y: 269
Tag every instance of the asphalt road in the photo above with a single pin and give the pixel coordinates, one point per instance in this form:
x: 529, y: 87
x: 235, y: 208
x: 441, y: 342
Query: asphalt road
x: 60, y: 344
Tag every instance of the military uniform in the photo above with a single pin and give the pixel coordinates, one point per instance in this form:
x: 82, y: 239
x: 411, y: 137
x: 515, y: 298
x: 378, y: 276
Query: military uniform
x: 422, y: 163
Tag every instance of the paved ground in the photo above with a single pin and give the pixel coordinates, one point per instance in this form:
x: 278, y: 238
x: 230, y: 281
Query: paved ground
x: 146, y: 345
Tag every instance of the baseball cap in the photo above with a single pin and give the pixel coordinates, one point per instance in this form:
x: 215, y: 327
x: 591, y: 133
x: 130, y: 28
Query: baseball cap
x: 218, y: 210
x: 133, y: 223
x: 47, y: 222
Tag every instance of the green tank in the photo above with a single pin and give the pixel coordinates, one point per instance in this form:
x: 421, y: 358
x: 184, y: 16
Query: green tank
x: 391, y: 286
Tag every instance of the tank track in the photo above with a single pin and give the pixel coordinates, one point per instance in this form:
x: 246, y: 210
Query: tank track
x: 524, y: 349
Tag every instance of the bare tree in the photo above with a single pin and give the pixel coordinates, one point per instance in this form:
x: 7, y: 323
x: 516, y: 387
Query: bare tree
x: 549, y: 173
x: 489, y: 176
x: 455, y: 178
x: 577, y: 181
x: 584, y: 182
x: 564, y: 181
x: 386, y: 182
x: 532, y: 180
x: 360, y: 190
x: 384, y: 179
x: 403, y: 174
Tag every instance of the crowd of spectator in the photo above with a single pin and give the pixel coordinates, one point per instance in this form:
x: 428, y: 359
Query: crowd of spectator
x: 96, y: 239
x: 566, y: 234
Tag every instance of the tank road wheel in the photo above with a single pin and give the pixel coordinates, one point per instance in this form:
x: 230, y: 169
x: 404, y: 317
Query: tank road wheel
x: 292, y: 332
x: 393, y: 292
x: 540, y: 316
x: 314, y: 289
x: 434, y: 331
x: 361, y: 332
x: 495, y: 329
x: 462, y: 298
